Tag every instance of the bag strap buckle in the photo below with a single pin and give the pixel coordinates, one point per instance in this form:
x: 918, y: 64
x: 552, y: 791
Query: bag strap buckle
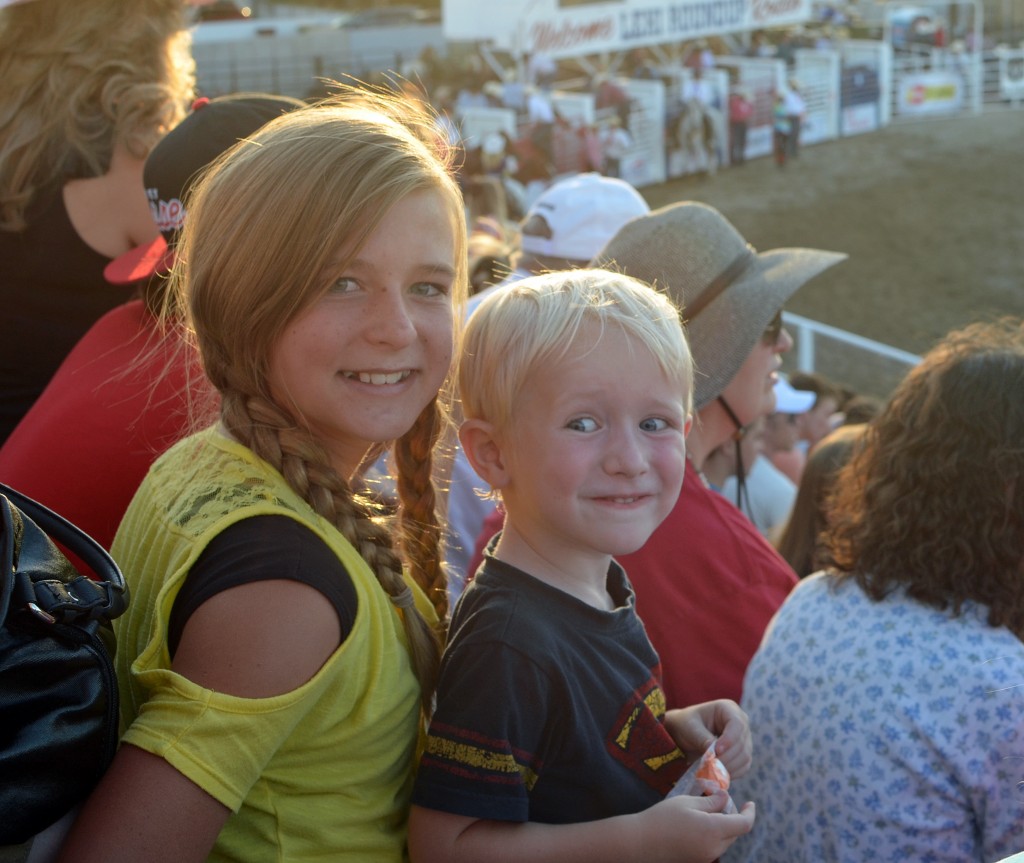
x: 78, y: 599
x: 40, y: 614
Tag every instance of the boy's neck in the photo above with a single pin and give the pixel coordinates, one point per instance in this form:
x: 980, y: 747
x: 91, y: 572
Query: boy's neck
x: 585, y: 577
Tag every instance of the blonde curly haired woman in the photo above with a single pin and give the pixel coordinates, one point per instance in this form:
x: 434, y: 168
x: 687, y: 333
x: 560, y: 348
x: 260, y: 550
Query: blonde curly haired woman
x: 88, y: 90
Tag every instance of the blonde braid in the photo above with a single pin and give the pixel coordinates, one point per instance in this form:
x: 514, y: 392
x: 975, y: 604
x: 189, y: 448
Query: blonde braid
x: 272, y: 435
x: 421, y: 531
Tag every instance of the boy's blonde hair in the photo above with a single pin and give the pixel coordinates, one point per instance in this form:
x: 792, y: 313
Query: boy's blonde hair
x: 264, y: 225
x: 529, y: 326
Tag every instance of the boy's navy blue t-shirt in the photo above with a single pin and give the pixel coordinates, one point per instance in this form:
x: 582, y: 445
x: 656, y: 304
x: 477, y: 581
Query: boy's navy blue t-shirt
x: 548, y: 709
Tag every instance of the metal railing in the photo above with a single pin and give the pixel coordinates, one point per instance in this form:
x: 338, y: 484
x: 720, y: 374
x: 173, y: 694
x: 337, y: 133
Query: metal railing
x: 863, y: 364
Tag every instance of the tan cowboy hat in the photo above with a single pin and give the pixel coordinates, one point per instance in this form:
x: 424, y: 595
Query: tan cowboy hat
x: 728, y: 292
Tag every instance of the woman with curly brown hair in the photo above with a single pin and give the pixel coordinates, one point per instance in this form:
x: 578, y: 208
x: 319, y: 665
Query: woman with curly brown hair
x: 88, y: 89
x: 282, y: 642
x: 886, y: 701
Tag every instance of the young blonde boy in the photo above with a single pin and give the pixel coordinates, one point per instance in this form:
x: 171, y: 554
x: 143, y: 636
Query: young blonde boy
x: 550, y: 739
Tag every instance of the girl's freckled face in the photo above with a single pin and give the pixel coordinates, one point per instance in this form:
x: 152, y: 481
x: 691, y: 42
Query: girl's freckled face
x: 361, y: 363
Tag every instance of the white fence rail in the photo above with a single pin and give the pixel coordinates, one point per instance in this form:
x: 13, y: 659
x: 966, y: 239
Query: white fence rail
x: 860, y: 363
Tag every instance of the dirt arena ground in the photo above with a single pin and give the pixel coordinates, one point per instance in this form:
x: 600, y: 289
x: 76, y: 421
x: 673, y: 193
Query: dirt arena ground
x: 931, y: 213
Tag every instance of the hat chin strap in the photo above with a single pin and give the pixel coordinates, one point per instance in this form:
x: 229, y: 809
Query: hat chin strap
x: 737, y: 437
x: 740, y: 428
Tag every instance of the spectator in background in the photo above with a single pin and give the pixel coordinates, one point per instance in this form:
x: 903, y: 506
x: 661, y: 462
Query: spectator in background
x: 541, y: 115
x: 817, y: 422
x: 700, y: 89
x: 787, y: 44
x: 608, y: 94
x: 615, y: 145
x: 571, y: 219
x: 430, y: 69
x: 761, y: 45
x: 885, y: 701
x: 766, y: 494
x: 741, y: 109
x: 782, y: 128
x: 795, y: 108
x: 486, y: 179
x: 707, y: 582
x: 513, y: 91
x: 592, y: 157
x: 541, y: 69
x: 566, y: 226
x: 824, y: 38
x: 801, y: 536
x: 700, y: 57
x: 490, y: 255
x: 782, y: 431
x: 471, y: 95
x: 87, y: 92
x: 860, y: 408
x: 129, y: 389
x: 810, y: 426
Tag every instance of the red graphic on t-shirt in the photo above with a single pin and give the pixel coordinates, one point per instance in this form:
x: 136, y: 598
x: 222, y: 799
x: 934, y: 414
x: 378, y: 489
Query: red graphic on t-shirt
x: 639, y: 741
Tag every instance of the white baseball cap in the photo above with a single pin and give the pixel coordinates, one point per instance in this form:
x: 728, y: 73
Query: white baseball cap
x: 576, y: 217
x: 789, y: 400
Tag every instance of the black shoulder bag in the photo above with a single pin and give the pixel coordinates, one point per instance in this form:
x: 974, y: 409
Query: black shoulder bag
x: 58, y: 691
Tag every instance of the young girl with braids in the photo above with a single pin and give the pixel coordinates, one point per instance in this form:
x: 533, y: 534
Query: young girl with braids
x: 276, y: 660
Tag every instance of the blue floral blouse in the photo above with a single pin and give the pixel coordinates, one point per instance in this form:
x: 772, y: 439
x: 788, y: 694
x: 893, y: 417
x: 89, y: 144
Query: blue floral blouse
x: 883, y: 731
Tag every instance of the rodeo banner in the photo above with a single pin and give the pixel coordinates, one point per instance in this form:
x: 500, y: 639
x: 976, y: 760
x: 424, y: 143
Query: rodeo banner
x: 570, y: 28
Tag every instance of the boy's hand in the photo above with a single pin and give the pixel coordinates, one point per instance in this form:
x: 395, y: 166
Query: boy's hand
x: 688, y: 829
x: 693, y: 729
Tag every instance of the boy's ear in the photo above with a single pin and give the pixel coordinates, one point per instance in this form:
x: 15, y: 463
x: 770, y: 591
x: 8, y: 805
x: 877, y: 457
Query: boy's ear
x: 483, y: 449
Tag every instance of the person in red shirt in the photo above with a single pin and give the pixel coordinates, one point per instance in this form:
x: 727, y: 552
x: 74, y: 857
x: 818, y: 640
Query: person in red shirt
x: 741, y: 109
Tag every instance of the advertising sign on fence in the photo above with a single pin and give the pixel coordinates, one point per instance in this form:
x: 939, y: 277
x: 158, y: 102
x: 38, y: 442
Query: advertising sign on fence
x: 930, y: 93
x: 1011, y: 74
x: 572, y: 28
x: 859, y: 93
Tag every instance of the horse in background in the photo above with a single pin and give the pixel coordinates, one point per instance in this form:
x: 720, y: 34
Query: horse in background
x: 699, y: 136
